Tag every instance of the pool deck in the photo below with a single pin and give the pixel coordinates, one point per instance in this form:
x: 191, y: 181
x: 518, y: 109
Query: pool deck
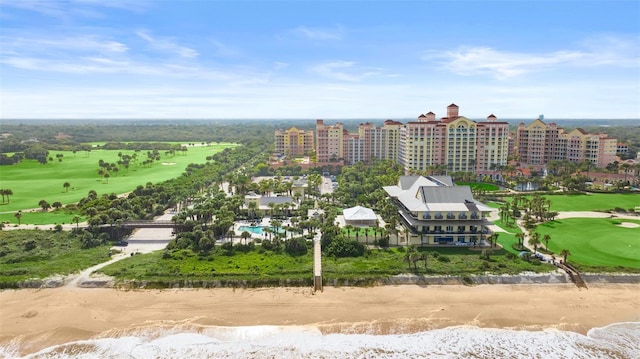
x: 266, y: 221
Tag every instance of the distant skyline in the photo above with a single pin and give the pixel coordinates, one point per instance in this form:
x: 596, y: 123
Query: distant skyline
x: 118, y: 59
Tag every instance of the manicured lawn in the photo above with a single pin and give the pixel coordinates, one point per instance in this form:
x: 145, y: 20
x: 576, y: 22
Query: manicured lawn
x: 507, y: 240
x: 595, y: 241
x: 479, y: 186
x: 32, y: 182
x: 38, y: 217
x: 592, y: 202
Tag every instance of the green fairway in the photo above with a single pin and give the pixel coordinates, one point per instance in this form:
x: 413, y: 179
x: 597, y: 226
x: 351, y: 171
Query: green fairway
x: 479, y: 186
x: 592, y: 202
x: 595, y: 241
x: 31, y: 182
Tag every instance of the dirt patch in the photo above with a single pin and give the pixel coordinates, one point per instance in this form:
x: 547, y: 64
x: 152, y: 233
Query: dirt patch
x: 629, y: 225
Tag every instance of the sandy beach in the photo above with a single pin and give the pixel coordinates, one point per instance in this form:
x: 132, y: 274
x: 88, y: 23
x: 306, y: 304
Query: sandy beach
x: 35, y: 319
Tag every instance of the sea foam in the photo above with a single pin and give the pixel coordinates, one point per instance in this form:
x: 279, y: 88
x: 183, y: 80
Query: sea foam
x: 618, y: 340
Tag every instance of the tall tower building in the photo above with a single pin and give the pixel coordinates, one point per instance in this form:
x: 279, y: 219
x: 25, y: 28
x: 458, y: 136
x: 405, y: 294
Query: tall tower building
x: 329, y: 142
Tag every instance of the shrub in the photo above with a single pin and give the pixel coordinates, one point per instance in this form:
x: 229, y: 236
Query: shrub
x: 341, y: 247
x: 443, y: 258
x: 296, y: 247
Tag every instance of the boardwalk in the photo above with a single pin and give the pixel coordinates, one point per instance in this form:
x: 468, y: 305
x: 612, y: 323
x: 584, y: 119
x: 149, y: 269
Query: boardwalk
x: 317, y: 263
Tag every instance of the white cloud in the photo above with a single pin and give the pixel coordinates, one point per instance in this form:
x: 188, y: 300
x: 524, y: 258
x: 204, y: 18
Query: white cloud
x: 20, y: 43
x: 168, y: 45
x: 79, y: 8
x: 596, y: 51
x: 319, y: 34
x: 337, y: 70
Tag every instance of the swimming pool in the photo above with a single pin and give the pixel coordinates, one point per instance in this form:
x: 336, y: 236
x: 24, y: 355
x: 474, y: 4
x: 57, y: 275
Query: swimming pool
x: 256, y: 229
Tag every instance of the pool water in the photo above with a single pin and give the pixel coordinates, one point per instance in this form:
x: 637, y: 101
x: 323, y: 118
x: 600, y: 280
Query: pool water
x: 255, y: 229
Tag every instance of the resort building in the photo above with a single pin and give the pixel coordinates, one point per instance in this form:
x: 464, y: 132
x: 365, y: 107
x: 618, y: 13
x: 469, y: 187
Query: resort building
x: 329, y: 142
x: 294, y: 142
x: 434, y: 211
x: 453, y: 143
x: 538, y: 143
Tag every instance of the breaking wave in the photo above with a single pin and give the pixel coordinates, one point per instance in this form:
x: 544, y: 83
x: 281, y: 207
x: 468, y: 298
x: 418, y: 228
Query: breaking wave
x: 618, y: 340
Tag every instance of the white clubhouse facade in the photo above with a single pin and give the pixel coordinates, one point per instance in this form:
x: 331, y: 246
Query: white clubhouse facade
x: 435, y: 211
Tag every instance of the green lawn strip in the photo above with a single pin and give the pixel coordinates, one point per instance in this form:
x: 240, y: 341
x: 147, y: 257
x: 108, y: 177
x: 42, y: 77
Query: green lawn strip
x: 31, y: 182
x: 591, y: 202
x: 595, y: 241
x: 482, y: 186
x: 55, y: 253
x: 38, y: 217
x: 508, y: 239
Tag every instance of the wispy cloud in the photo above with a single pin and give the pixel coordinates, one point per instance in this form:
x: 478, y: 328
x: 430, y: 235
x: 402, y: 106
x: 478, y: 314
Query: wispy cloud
x: 167, y: 44
x: 319, y: 33
x: 339, y: 70
x: 69, y: 9
x: 68, y: 43
x: 223, y: 50
x: 508, y: 64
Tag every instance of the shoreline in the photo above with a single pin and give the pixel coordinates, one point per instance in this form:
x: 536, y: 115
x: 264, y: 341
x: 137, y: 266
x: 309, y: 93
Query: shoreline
x: 33, y: 319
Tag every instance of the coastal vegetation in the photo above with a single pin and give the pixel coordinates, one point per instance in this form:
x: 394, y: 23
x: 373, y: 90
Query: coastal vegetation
x: 205, y: 214
x: 37, y: 254
x: 254, y: 264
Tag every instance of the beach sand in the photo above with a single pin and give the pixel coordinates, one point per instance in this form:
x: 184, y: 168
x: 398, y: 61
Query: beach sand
x: 35, y: 319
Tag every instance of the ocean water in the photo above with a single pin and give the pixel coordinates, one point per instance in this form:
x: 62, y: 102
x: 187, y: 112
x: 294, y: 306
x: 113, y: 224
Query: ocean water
x: 620, y: 340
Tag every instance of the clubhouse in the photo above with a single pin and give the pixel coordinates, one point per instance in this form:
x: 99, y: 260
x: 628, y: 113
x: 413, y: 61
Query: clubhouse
x: 436, y: 212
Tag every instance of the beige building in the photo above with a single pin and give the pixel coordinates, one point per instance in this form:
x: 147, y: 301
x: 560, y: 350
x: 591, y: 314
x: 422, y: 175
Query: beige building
x: 538, y: 143
x: 294, y: 142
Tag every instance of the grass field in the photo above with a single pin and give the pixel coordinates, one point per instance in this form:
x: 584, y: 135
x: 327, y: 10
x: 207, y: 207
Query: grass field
x: 507, y: 239
x: 479, y: 186
x: 32, y: 182
x: 592, y: 202
x: 596, y: 242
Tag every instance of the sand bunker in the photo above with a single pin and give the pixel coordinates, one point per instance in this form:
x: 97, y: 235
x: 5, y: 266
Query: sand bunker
x: 168, y: 163
x: 629, y: 225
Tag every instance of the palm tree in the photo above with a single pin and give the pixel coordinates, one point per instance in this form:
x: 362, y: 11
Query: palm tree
x: 77, y: 220
x: 348, y: 227
x: 565, y: 253
x: 245, y: 235
x: 44, y: 204
x: 535, y: 241
x: 8, y: 192
x: 66, y: 186
x: 424, y: 256
x: 520, y: 237
x: 546, y: 239
x: 18, y: 215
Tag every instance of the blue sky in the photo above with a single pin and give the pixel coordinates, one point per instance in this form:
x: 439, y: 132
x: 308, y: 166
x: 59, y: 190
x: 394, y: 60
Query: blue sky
x: 92, y: 59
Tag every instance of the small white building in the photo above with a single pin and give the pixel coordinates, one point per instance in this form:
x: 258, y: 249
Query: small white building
x: 359, y: 216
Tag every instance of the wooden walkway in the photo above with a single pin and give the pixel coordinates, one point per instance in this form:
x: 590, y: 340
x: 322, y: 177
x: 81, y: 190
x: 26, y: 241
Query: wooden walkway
x: 573, y: 274
x: 317, y: 264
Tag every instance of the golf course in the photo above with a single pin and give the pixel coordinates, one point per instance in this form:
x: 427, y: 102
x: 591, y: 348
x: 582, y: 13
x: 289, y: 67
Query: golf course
x: 69, y: 177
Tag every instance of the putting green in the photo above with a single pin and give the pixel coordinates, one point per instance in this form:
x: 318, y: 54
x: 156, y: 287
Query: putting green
x: 596, y: 241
